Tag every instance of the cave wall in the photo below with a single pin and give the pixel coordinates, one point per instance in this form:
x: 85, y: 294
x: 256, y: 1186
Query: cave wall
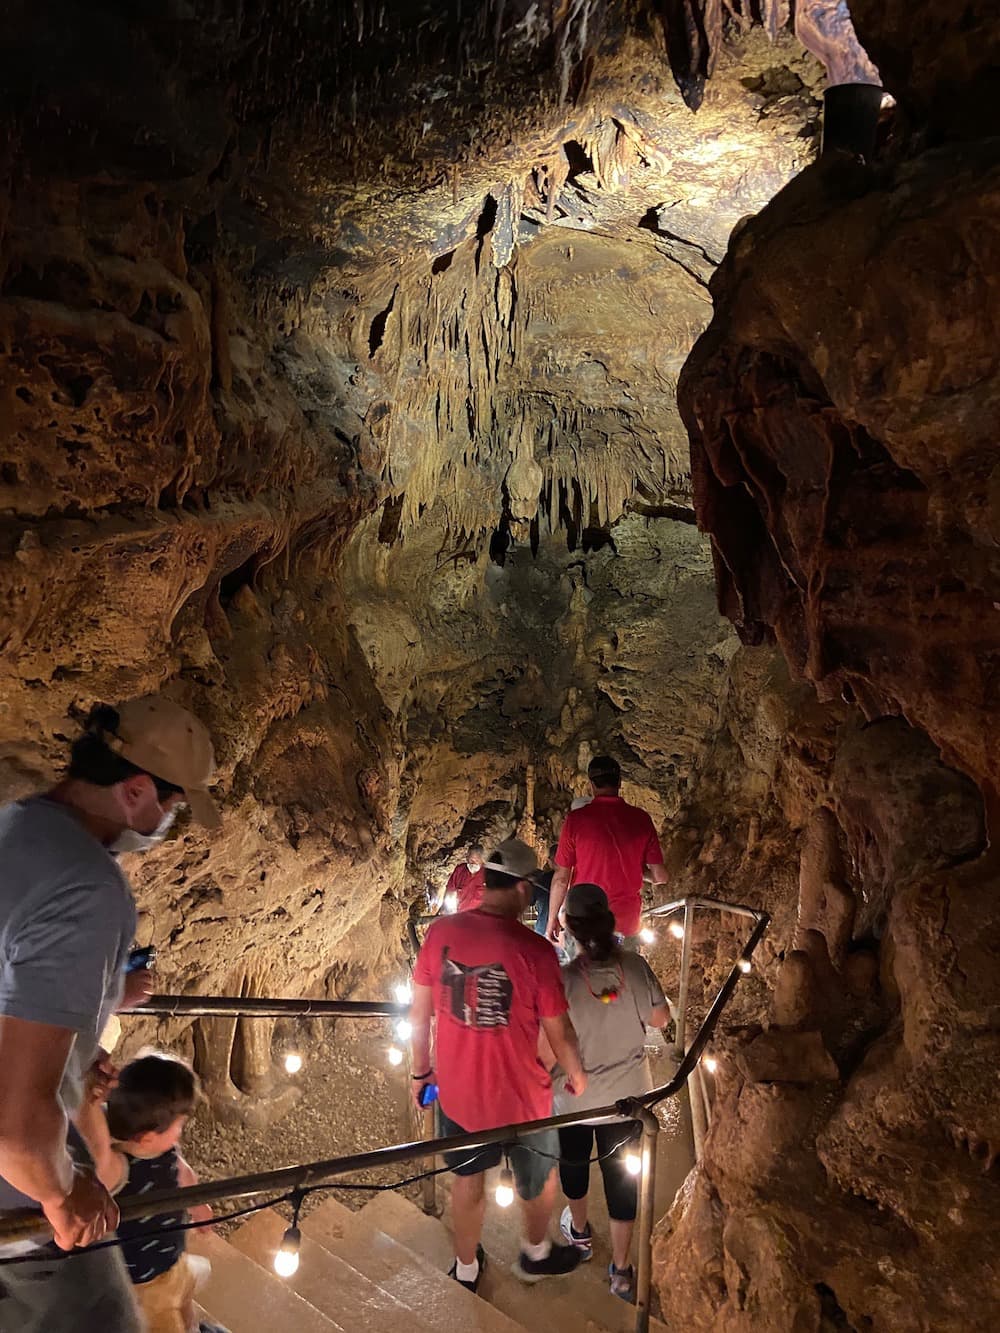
x: 841, y: 409
x: 848, y: 1179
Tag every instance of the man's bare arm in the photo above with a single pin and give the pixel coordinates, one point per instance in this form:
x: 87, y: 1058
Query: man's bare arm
x: 421, y: 1016
x: 33, y: 1156
x: 561, y: 1036
x: 658, y: 874
x: 557, y: 896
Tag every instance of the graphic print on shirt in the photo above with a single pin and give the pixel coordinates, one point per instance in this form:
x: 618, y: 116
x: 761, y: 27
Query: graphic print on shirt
x: 481, y: 997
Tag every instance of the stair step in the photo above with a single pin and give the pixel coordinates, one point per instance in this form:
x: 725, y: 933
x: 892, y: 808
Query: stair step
x: 577, y: 1301
x: 246, y: 1298
x: 335, y: 1288
x: 401, y: 1273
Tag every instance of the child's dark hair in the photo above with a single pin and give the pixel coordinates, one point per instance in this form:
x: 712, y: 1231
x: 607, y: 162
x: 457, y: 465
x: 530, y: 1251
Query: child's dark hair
x: 595, y: 933
x: 151, y: 1093
x: 93, y: 760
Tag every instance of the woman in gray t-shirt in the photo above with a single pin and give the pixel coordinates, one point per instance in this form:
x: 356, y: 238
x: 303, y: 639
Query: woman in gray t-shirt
x: 613, y: 997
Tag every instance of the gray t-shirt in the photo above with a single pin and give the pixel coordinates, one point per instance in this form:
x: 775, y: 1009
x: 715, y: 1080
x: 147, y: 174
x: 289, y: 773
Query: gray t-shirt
x: 612, y: 1036
x: 67, y: 922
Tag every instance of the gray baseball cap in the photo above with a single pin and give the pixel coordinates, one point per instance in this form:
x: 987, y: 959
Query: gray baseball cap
x: 513, y: 857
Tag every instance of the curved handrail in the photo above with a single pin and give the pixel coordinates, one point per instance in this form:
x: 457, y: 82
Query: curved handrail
x: 28, y: 1224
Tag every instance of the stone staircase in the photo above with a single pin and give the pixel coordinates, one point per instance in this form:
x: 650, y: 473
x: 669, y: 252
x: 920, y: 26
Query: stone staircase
x: 384, y: 1269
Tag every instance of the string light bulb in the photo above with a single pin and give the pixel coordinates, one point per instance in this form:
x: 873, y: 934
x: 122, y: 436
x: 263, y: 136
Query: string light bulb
x: 403, y: 993
x: 744, y: 965
x: 286, y: 1259
x: 395, y: 1055
x: 647, y: 936
x: 633, y: 1163
x: 677, y: 930
x: 710, y: 1063
x: 505, y: 1188
x: 404, y: 1029
x: 293, y: 1062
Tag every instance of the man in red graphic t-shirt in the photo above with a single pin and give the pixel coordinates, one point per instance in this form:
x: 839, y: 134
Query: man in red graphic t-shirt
x: 465, y: 882
x: 610, y: 843
x: 489, y: 985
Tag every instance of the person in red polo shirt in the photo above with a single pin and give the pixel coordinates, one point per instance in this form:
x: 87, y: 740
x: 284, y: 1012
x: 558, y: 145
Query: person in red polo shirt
x: 608, y: 843
x: 488, y: 985
x: 466, y: 882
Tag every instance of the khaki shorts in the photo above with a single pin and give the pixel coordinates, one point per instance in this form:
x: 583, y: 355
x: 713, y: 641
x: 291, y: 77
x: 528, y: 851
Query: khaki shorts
x: 167, y: 1300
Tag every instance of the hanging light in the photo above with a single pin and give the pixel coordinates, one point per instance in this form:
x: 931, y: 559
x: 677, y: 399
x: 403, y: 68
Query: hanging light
x: 404, y: 1029
x: 403, y: 993
x: 505, y: 1188
x: 395, y: 1055
x: 633, y: 1163
x: 744, y: 965
x: 710, y: 1063
x: 286, y: 1260
x: 677, y: 930
x: 293, y: 1062
x: 647, y: 936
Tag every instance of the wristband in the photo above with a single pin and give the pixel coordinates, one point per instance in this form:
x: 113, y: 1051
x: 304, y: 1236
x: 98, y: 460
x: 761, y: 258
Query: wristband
x: 419, y: 1078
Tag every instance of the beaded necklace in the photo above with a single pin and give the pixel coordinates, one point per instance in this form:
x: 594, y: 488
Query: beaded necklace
x: 610, y: 993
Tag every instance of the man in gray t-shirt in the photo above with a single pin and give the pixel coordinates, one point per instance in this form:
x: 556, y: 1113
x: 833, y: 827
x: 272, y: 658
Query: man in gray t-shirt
x: 67, y: 921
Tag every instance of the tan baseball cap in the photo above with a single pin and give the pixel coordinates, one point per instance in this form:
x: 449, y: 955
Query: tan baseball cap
x: 164, y: 739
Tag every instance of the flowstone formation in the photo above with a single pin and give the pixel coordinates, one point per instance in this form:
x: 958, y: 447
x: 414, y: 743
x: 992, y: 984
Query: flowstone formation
x: 841, y: 409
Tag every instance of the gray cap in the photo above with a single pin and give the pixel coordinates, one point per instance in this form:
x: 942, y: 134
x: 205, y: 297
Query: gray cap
x: 583, y: 899
x: 513, y: 857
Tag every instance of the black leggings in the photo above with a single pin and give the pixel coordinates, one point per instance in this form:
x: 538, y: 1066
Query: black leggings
x: 576, y: 1143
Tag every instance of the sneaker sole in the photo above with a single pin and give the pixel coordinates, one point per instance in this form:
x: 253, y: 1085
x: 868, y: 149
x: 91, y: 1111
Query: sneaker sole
x: 530, y: 1279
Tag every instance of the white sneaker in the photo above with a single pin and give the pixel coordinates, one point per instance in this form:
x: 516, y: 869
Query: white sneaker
x: 583, y: 1242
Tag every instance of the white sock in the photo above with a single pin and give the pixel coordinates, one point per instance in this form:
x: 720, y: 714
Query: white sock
x: 466, y: 1272
x: 537, y: 1252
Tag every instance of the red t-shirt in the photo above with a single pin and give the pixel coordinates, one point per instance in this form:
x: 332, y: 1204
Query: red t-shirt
x: 493, y: 981
x: 609, y: 842
x: 468, y: 885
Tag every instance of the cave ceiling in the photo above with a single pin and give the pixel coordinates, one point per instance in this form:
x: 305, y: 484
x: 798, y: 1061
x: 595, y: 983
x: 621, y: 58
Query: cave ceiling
x: 340, y: 343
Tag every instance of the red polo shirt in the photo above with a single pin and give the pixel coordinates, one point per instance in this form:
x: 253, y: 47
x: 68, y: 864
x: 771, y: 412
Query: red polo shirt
x: 468, y: 885
x: 609, y: 843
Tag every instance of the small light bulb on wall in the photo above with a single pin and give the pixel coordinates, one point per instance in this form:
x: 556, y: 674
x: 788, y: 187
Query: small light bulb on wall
x: 633, y: 1163
x: 647, y: 936
x: 404, y: 1029
x: 677, y: 930
x: 293, y: 1062
x: 404, y: 993
x: 744, y: 965
x: 710, y: 1063
x: 451, y: 902
x: 286, y: 1261
x: 395, y: 1055
x: 505, y: 1188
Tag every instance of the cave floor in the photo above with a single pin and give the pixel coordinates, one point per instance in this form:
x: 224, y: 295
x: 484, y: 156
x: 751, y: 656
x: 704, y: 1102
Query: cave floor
x: 350, y: 1101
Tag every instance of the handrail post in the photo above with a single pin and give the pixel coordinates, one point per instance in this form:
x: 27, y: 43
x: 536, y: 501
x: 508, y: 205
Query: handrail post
x: 430, y: 1202
x: 647, y: 1201
x: 695, y: 1104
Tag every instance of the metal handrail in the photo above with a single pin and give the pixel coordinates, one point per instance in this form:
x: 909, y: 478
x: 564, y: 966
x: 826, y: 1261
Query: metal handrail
x: 220, y: 1006
x: 25, y: 1224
